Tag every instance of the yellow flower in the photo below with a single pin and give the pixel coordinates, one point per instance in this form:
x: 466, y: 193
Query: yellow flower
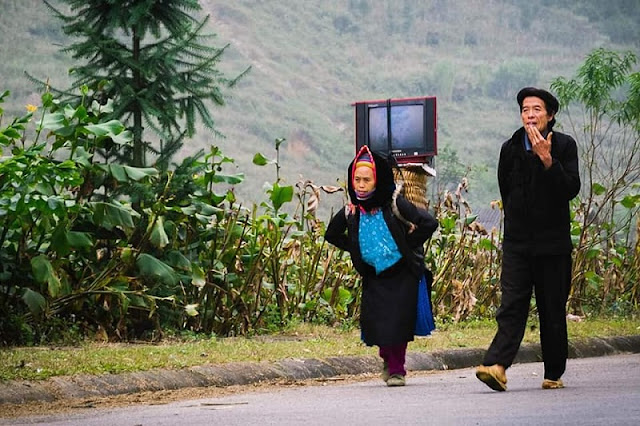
x: 31, y: 108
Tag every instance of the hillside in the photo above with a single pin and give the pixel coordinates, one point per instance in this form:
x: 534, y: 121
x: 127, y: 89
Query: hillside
x: 311, y: 59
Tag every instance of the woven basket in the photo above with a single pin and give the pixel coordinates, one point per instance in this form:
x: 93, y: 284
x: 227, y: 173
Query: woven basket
x: 414, y: 184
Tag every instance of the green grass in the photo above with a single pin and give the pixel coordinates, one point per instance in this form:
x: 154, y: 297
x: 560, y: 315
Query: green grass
x: 303, y: 341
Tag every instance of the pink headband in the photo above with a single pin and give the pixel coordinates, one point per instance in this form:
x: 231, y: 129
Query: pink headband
x: 364, y: 158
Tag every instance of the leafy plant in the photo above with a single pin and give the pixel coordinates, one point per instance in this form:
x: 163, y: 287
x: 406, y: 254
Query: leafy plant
x: 63, y: 240
x: 601, y: 104
x: 154, y: 60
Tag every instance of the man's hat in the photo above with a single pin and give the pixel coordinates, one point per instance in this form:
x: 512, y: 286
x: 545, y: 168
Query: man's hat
x: 550, y: 101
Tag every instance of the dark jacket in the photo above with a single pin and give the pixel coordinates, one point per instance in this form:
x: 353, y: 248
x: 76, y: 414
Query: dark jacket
x: 535, y: 200
x: 409, y: 244
x: 389, y: 300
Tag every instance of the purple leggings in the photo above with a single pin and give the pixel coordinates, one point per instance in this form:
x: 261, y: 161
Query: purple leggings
x: 394, y: 355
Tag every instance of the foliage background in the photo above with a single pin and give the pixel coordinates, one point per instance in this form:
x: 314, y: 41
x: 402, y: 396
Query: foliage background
x: 124, y: 251
x: 310, y: 60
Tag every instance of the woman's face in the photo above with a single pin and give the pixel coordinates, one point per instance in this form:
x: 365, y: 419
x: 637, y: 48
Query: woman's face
x: 363, y: 180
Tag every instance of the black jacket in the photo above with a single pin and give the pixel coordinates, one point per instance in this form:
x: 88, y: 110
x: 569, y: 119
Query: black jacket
x: 343, y: 232
x: 535, y: 200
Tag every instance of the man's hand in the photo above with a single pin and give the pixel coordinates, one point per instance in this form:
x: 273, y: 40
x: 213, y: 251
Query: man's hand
x: 540, y: 146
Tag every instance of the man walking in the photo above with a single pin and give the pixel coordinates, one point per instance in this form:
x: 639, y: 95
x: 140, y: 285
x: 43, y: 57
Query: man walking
x: 538, y: 176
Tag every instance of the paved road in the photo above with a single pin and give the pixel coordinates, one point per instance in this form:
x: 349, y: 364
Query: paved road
x: 600, y: 391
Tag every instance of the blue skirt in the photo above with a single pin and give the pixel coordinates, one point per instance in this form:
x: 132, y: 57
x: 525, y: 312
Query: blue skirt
x: 424, y: 319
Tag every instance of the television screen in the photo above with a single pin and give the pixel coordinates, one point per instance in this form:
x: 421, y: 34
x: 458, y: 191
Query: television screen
x: 404, y: 128
x: 378, y: 131
x: 407, y: 128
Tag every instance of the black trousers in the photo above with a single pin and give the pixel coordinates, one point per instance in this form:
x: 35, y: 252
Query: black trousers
x: 550, y: 278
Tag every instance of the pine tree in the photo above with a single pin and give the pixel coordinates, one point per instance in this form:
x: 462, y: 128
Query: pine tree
x: 152, y: 58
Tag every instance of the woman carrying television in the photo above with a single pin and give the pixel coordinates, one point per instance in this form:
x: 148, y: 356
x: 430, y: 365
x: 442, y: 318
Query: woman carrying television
x: 388, y: 254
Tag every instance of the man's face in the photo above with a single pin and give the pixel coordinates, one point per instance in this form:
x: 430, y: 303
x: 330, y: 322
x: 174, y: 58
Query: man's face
x: 534, y: 112
x: 363, y: 180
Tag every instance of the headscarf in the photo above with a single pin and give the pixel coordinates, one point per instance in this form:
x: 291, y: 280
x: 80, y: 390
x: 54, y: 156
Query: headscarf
x: 383, y: 176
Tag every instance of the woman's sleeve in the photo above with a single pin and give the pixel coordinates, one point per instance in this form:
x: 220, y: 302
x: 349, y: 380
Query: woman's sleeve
x: 336, y: 232
x: 425, y: 223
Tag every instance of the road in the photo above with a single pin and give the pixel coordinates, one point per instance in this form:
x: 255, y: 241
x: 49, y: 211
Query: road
x: 600, y: 391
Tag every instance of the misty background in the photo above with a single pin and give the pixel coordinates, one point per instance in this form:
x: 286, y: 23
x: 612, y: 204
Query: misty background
x: 311, y: 59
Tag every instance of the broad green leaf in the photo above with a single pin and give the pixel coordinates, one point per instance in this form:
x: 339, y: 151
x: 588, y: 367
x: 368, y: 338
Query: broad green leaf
x: 617, y: 261
x: 59, y: 241
x: 35, y: 301
x: 344, y: 296
x: 119, y: 284
x: 44, y: 273
x: 202, y: 218
x: 230, y: 179
x: 54, y: 121
x: 188, y: 211
x: 576, y: 229
x: 598, y: 189
x: 593, y: 253
x: 448, y: 223
x: 105, y: 109
x: 158, y: 236
x: 110, y: 128
x: 216, y: 199
x: 66, y: 131
x: 47, y: 99
x: 260, y: 160
x: 139, y: 173
x: 80, y: 113
x: 197, y: 276
x: 280, y: 195
x: 139, y: 301
x: 110, y: 215
x: 153, y: 268
x: 209, y: 210
x: 82, y: 157
x: 126, y: 173
x: 593, y: 279
x: 79, y: 239
x: 178, y: 260
x: 118, y: 172
x: 55, y: 203
x: 630, y: 201
x: 122, y: 138
x: 69, y: 112
x: 11, y: 133
x: 487, y: 244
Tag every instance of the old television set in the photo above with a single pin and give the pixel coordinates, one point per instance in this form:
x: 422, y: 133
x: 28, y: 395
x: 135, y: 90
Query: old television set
x: 405, y: 128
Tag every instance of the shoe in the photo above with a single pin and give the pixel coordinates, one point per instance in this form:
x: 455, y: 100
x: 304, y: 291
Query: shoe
x: 552, y: 384
x: 493, y: 376
x: 385, y: 371
x: 396, y: 380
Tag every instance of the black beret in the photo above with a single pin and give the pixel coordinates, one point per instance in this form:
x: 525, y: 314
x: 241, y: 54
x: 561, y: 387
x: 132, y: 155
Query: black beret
x: 550, y: 101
